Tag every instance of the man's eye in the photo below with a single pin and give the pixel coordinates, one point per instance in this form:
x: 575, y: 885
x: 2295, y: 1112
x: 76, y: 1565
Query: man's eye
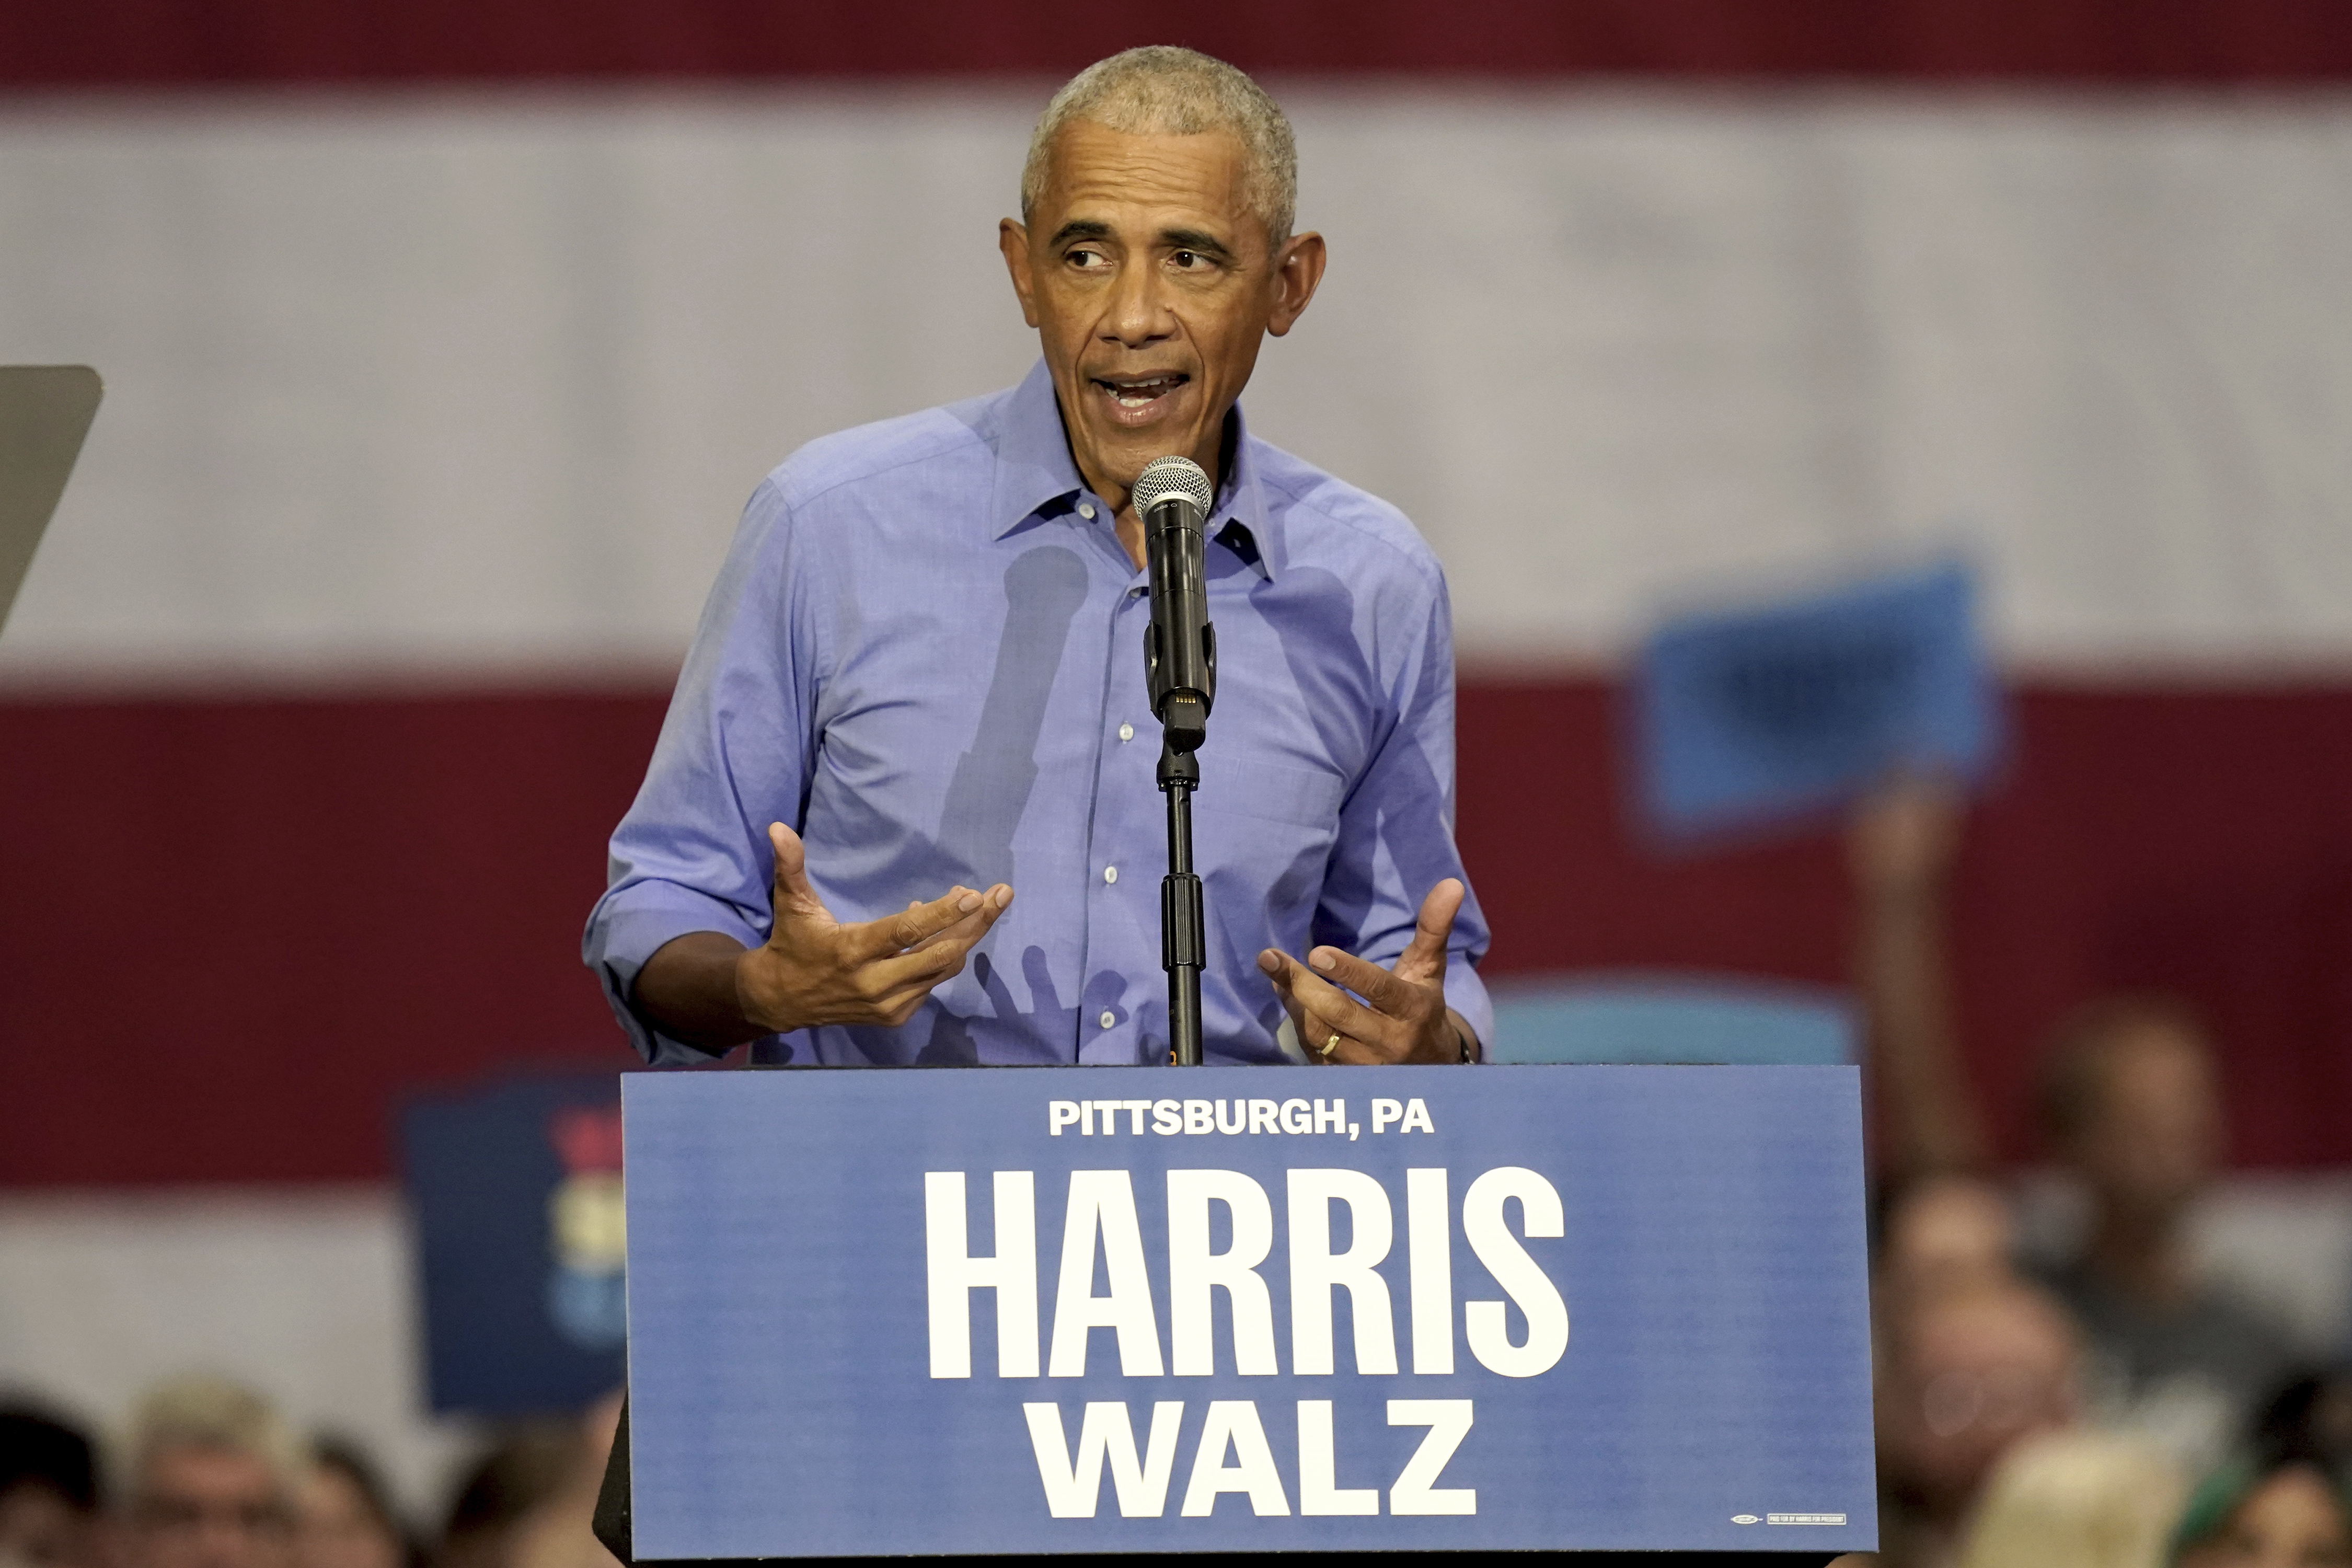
x: 1088, y: 258
x: 1188, y: 260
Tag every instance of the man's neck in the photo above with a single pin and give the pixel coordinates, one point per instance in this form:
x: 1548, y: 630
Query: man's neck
x: 1128, y: 527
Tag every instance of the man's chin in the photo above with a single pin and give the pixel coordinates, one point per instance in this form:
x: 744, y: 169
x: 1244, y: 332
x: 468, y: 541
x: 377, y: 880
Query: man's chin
x: 1124, y: 452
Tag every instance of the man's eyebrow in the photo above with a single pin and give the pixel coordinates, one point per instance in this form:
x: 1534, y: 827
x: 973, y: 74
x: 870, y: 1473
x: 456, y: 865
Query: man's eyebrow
x: 1198, y: 240
x: 1080, y: 228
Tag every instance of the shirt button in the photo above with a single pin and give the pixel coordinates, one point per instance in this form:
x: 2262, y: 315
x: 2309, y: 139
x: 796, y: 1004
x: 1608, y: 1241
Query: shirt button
x: 1126, y: 731
x: 1087, y: 509
x: 1110, y: 873
x: 1109, y: 1018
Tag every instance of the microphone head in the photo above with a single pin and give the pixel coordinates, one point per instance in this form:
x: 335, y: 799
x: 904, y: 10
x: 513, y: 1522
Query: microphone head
x: 1166, y: 477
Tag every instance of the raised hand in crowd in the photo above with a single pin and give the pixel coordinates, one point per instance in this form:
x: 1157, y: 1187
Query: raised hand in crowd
x: 1900, y: 849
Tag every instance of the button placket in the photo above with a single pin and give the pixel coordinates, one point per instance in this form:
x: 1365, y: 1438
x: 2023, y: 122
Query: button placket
x: 1107, y: 821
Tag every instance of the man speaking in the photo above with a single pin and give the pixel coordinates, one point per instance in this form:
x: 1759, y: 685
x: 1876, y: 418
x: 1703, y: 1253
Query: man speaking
x: 918, y: 684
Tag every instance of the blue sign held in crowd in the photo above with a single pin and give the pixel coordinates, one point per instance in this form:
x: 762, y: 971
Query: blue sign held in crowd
x: 1759, y: 714
x: 520, y: 1226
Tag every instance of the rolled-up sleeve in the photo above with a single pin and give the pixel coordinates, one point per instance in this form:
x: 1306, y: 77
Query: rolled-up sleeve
x: 1396, y: 827
x: 692, y: 854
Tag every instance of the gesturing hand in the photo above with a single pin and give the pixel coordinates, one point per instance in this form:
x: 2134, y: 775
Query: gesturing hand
x: 1402, y: 1016
x: 814, y: 969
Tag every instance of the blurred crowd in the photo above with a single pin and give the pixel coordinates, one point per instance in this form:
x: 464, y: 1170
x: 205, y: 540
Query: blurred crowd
x: 2103, y: 1403
x: 206, y: 1474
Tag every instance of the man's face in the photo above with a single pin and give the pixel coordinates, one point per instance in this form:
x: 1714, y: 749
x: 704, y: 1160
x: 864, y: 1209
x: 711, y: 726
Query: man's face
x: 1970, y: 1376
x: 1150, y: 283
x: 39, y: 1528
x: 2292, y: 1521
x: 339, y: 1527
x: 2153, y: 1135
x: 1949, y: 1232
x: 209, y: 1507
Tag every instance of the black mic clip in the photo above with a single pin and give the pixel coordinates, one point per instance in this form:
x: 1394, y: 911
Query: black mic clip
x: 1183, y: 714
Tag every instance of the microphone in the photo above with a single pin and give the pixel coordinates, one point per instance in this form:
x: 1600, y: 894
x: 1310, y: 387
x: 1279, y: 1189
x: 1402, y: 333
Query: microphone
x: 1171, y: 497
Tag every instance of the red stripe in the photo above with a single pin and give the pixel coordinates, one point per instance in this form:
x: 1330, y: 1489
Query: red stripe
x: 234, y: 934
x: 197, y: 42
x: 2194, y: 842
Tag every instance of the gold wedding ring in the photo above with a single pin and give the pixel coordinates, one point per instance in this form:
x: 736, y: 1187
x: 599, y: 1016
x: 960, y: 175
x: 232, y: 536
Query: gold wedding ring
x: 1329, y: 1046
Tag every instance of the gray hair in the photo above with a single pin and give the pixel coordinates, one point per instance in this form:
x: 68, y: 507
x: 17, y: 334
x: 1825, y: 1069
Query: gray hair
x: 1162, y: 89
x: 208, y: 1413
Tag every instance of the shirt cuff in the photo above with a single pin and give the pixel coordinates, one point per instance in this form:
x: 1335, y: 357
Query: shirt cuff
x: 632, y: 924
x: 1466, y: 995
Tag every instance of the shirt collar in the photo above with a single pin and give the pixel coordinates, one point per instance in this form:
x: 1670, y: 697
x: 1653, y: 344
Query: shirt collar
x: 1034, y: 472
x: 1241, y: 523
x: 1033, y: 467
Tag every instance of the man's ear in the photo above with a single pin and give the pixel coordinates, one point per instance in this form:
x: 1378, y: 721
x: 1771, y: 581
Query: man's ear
x: 1012, y: 239
x: 1297, y: 272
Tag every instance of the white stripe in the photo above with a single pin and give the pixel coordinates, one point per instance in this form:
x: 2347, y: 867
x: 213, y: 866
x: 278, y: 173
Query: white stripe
x: 414, y: 383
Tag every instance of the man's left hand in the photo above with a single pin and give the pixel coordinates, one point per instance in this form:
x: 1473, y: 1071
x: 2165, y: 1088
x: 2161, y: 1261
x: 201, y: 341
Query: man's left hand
x: 1402, y: 1016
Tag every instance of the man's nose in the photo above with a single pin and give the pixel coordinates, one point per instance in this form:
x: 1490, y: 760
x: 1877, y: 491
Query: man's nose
x: 1138, y: 310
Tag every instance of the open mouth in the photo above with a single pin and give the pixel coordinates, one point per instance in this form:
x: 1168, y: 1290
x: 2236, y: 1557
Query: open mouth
x: 1136, y: 393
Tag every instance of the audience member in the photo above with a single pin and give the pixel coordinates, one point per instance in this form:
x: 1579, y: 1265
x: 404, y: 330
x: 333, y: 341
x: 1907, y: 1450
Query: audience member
x: 561, y: 1533
x: 1943, y: 1232
x: 211, y: 1476
x: 2077, y: 1499
x: 2284, y: 1510
x: 531, y: 1500
x: 48, y: 1494
x: 347, y: 1519
x: 2312, y: 1415
x: 2132, y: 1108
x: 502, y: 1495
x: 1962, y: 1374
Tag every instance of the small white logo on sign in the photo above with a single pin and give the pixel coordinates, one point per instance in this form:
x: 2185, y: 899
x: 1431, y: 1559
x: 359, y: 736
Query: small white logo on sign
x: 1745, y: 1518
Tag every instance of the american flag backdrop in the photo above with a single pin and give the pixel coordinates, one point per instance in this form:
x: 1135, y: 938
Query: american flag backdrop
x: 444, y: 342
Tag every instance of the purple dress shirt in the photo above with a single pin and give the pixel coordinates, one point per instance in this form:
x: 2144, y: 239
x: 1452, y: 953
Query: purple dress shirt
x: 925, y: 653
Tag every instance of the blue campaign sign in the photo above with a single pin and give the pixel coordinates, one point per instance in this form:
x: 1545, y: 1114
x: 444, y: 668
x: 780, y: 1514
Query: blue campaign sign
x: 516, y: 1189
x: 1754, y: 714
x: 991, y: 1311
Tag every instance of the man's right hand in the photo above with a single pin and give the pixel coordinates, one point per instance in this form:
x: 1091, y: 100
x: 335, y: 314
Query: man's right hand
x: 709, y: 990
x: 814, y: 969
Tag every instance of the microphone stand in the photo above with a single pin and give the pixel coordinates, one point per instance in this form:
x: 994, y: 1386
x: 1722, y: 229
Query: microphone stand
x: 1183, y: 946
